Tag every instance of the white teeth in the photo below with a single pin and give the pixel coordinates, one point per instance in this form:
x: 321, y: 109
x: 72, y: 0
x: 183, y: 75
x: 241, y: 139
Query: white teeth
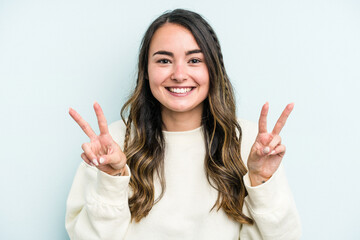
x: 180, y: 90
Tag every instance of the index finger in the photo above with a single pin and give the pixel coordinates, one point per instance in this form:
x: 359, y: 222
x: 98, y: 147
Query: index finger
x: 282, y: 119
x: 82, y: 123
x: 262, y: 119
x: 101, y: 119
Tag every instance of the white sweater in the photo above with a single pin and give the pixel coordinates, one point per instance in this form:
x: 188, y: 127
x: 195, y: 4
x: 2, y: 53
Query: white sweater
x: 97, y: 206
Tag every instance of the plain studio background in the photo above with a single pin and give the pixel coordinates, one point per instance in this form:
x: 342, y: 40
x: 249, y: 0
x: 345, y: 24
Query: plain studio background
x: 57, y: 54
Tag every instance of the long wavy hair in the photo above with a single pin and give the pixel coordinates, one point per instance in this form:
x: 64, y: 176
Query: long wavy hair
x: 144, y: 142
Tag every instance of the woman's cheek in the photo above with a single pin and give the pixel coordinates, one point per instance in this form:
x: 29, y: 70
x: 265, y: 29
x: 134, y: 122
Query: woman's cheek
x: 201, y: 76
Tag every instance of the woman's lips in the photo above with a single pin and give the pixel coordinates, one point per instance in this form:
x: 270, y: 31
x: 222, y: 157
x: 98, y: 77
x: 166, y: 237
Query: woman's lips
x: 179, y: 91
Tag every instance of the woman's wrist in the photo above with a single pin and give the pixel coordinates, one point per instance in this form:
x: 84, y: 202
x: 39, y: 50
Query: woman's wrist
x: 122, y: 172
x: 257, y: 179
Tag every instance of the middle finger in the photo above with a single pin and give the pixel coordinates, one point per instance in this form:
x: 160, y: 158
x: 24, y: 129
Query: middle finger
x: 282, y: 119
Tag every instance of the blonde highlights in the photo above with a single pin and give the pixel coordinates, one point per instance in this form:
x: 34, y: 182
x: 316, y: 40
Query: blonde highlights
x: 144, y: 143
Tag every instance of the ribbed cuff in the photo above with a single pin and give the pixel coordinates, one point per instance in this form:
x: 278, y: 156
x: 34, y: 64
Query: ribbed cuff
x: 112, y: 189
x: 268, y: 196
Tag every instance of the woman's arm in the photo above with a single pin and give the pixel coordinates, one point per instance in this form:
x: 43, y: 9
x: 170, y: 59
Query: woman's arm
x: 97, y: 206
x: 273, y: 210
x: 270, y: 204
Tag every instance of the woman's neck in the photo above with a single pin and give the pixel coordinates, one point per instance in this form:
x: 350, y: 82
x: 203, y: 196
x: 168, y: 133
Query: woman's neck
x: 181, y: 121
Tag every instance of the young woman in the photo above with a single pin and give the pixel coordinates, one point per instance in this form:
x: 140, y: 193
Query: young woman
x: 174, y: 169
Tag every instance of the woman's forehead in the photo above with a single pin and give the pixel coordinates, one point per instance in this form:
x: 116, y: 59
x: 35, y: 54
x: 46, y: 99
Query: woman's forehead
x: 173, y: 37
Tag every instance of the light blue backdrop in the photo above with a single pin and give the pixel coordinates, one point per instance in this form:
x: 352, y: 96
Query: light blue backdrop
x: 57, y: 54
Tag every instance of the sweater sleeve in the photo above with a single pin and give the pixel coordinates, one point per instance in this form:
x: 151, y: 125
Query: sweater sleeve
x: 271, y: 204
x: 273, y: 210
x: 97, y: 205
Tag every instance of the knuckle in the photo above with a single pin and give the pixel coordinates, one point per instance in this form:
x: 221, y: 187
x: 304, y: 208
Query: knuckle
x: 88, y: 151
x: 84, y: 146
x: 83, y: 126
x: 83, y: 156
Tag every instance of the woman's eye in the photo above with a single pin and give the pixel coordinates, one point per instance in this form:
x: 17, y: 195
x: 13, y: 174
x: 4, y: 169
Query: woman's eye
x: 164, y: 61
x: 194, y: 60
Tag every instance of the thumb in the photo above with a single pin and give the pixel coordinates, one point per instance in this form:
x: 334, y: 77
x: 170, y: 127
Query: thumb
x: 266, y: 150
x: 262, y: 151
x: 103, y: 160
x: 113, y: 159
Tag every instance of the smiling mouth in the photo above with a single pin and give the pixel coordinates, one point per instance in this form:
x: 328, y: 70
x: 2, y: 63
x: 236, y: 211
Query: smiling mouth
x: 179, y: 90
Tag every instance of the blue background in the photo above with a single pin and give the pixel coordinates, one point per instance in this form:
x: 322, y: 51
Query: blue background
x: 57, y: 54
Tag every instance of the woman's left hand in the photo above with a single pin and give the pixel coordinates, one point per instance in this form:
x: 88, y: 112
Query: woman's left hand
x: 267, y: 152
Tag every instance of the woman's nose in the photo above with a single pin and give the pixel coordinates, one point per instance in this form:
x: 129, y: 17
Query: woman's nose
x: 179, y: 73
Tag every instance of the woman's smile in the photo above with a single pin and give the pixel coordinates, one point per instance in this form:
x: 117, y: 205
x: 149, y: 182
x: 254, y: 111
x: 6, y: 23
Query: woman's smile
x: 178, y: 74
x: 179, y: 91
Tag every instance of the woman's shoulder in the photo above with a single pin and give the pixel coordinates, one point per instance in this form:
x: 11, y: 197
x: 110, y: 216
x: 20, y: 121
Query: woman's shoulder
x: 247, y: 124
x: 117, y: 131
x: 249, y: 128
x: 249, y: 132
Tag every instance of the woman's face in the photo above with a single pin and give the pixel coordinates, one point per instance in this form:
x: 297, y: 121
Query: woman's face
x: 177, y: 71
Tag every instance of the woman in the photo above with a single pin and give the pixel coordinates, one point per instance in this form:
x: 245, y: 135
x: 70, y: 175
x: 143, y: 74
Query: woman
x: 173, y: 169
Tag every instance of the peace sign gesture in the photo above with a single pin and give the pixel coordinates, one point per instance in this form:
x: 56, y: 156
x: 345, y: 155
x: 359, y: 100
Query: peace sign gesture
x: 102, y: 151
x: 267, y: 152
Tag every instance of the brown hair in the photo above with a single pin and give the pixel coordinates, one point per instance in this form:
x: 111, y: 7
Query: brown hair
x: 145, y: 148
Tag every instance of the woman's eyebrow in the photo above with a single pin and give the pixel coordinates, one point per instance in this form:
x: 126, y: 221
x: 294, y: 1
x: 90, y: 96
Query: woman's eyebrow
x: 193, y: 51
x: 162, y: 52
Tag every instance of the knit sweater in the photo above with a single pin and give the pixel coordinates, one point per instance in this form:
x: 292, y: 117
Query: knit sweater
x: 97, y: 206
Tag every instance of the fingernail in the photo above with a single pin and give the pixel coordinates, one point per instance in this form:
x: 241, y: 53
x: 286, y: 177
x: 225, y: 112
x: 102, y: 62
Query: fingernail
x: 95, y: 162
x: 272, y: 152
x: 266, y: 150
x: 101, y: 160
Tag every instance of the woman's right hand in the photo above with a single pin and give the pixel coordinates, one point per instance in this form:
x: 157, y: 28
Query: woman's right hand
x: 102, y: 151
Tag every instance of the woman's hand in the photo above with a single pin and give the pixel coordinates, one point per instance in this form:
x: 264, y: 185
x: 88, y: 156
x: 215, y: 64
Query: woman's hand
x: 267, y: 152
x: 102, y: 151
